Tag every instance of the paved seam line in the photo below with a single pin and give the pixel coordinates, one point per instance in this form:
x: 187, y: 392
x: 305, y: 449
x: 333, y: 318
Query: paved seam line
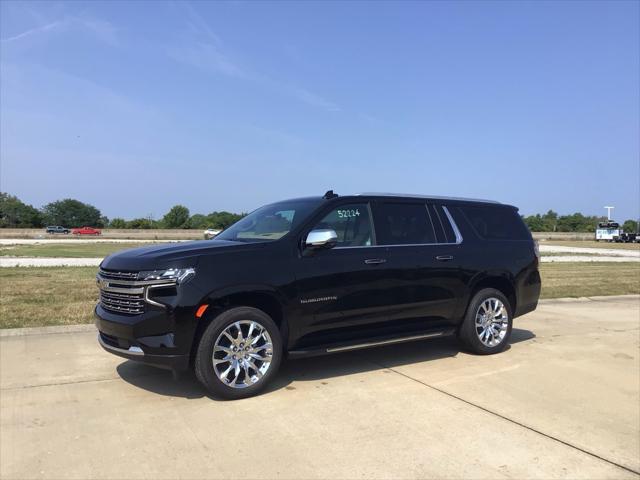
x: 23, y: 387
x: 595, y: 455
x: 95, y: 380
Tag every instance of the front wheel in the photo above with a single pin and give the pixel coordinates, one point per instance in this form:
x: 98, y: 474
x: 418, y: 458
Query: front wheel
x: 239, y: 353
x: 486, y: 328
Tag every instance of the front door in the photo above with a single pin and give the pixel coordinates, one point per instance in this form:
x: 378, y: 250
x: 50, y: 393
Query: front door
x: 344, y: 287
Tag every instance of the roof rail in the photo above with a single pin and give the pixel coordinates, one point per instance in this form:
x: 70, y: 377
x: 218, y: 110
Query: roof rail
x: 433, y: 197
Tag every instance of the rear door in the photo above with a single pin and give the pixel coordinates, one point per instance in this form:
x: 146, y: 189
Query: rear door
x: 425, y: 276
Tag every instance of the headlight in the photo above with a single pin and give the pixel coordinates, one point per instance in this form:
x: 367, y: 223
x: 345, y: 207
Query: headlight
x: 179, y: 275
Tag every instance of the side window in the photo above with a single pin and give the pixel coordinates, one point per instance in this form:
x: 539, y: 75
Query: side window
x: 351, y: 222
x: 496, y: 222
x: 403, y: 224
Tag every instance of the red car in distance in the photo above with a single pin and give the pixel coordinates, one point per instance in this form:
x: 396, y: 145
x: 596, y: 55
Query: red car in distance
x: 86, y: 231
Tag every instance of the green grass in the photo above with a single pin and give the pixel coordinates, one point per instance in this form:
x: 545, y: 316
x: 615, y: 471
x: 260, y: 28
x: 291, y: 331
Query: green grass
x: 68, y: 250
x: 587, y: 279
x: 34, y: 297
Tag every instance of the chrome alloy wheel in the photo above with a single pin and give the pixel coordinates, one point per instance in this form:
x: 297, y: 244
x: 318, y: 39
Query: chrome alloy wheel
x: 492, y: 322
x: 242, y: 354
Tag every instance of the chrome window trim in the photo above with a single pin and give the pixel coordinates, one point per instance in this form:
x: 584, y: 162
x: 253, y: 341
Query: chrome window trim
x: 456, y: 231
x: 396, y: 245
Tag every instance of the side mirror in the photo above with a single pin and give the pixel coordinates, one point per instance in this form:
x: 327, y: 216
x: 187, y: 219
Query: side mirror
x: 321, y: 238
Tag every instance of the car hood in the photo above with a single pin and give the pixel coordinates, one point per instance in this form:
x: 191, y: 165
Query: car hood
x: 182, y: 254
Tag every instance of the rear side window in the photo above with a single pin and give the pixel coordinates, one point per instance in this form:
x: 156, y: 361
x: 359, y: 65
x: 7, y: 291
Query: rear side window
x: 403, y: 224
x: 496, y: 222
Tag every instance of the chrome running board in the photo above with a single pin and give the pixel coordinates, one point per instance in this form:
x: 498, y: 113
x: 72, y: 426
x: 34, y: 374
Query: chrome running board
x: 367, y: 343
x: 386, y: 342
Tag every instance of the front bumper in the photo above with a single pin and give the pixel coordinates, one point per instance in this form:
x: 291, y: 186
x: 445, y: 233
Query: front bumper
x: 122, y: 336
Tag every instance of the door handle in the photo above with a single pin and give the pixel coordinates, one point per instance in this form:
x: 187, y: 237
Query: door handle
x: 375, y: 261
x: 444, y: 258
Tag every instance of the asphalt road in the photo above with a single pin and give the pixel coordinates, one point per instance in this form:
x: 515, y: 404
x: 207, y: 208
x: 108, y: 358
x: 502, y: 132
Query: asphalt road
x: 562, y: 402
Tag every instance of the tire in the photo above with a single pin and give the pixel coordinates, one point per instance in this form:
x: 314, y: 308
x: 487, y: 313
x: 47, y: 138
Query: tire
x: 491, y: 333
x: 252, y: 374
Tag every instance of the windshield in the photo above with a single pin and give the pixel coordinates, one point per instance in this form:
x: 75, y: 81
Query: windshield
x: 270, y: 222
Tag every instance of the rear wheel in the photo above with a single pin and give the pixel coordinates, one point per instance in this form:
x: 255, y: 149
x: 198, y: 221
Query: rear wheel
x: 239, y: 353
x: 486, y: 328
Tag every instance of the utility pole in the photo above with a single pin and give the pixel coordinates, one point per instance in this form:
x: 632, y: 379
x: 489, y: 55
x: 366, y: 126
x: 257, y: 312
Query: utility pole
x: 609, y: 212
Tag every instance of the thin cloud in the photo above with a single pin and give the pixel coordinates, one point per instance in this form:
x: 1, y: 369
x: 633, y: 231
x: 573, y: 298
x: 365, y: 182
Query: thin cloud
x: 314, y: 100
x: 35, y: 31
x: 101, y: 29
x: 205, y: 56
x: 202, y: 48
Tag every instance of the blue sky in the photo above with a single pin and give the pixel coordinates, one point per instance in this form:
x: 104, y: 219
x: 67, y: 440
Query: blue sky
x: 137, y: 106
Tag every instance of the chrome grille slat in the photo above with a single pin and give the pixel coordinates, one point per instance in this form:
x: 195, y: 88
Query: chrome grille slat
x: 126, y: 303
x: 116, y: 275
x: 117, y: 296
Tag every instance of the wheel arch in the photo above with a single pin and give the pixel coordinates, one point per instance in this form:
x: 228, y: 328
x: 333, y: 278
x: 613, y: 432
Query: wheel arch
x: 260, y: 297
x: 502, y: 282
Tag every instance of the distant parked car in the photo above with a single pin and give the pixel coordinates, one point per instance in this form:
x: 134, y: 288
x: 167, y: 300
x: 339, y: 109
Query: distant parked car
x: 57, y: 229
x: 210, y: 233
x: 86, y: 231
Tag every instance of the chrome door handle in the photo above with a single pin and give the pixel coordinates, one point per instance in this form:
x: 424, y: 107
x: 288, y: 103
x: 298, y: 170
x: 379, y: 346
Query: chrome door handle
x: 444, y: 258
x: 375, y: 261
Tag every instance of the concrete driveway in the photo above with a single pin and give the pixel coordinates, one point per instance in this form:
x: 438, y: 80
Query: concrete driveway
x: 562, y: 402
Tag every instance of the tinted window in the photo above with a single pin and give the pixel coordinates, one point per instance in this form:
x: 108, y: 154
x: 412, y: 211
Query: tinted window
x: 496, y: 222
x: 351, y: 222
x: 403, y: 224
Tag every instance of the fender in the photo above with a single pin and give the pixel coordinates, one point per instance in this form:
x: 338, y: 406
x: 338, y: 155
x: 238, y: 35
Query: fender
x: 217, y: 296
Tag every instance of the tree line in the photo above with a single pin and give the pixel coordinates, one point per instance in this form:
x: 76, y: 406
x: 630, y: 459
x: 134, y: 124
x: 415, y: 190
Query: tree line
x: 73, y: 213
x: 577, y: 222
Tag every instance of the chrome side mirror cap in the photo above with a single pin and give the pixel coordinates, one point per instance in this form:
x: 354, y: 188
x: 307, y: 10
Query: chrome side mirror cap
x: 321, y: 238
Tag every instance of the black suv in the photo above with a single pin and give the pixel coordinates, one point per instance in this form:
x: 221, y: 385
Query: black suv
x: 320, y: 275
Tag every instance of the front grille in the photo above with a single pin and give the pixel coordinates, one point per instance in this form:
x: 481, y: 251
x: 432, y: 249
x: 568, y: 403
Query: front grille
x: 115, y: 275
x: 121, y: 301
x: 130, y: 303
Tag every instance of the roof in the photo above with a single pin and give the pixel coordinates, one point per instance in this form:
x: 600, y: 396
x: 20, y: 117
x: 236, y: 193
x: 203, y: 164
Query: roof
x: 431, y: 197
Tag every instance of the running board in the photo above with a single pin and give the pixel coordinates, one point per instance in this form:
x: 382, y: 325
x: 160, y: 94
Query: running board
x: 368, y: 343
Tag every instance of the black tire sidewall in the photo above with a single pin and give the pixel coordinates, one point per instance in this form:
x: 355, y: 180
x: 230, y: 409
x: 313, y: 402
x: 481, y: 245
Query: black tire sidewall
x: 468, y: 333
x: 204, y: 366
